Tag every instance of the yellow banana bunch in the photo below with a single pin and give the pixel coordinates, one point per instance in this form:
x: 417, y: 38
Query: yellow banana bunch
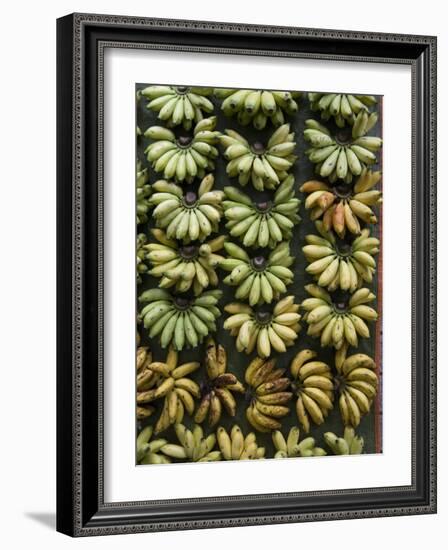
x: 339, y: 264
x: 291, y: 448
x: 171, y: 384
x: 357, y: 383
x: 185, y: 157
x: 216, y: 391
x: 312, y: 383
x: 179, y: 104
x: 343, y: 155
x: 143, y: 191
x: 342, y: 207
x: 183, y: 266
x: 148, y: 452
x: 350, y: 444
x: 267, y: 395
x: 264, y: 165
x: 194, y: 446
x: 187, y: 216
x: 180, y: 321
x: 259, y: 279
x: 338, y: 323
x: 257, y: 106
x: 235, y: 446
x: 343, y: 107
x: 263, y: 329
x: 146, y: 379
x: 263, y: 223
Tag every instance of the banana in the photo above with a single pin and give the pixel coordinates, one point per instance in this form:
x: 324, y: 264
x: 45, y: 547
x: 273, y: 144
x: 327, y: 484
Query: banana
x: 186, y: 157
x: 337, y: 265
x: 268, y: 398
x: 156, y: 380
x: 194, y: 446
x: 265, y: 166
x: 338, y: 323
x: 178, y: 320
x: 313, y: 386
x: 257, y: 107
x: 218, y: 386
x: 291, y: 447
x: 264, y: 329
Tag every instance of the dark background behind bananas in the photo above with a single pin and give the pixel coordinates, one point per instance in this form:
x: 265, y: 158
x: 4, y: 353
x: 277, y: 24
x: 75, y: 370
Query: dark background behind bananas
x: 237, y: 362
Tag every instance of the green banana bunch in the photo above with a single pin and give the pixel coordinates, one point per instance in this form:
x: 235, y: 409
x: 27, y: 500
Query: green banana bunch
x: 343, y: 206
x: 357, y: 382
x: 186, y: 157
x: 343, y: 107
x: 148, y: 451
x: 146, y: 379
x: 291, y: 448
x: 143, y: 192
x: 342, y: 156
x: 312, y: 383
x: 264, y: 165
x: 170, y: 382
x: 264, y: 329
x: 263, y: 223
x: 350, y: 444
x: 340, y: 322
x: 235, y: 446
x: 190, y: 216
x: 141, y: 256
x: 266, y: 394
x: 216, y: 390
x: 184, y: 266
x: 194, y: 446
x: 179, y: 104
x: 339, y: 264
x: 179, y: 320
x: 259, y: 279
x: 257, y: 106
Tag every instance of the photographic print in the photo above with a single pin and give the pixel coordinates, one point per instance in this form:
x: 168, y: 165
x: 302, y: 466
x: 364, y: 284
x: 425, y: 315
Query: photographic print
x: 258, y: 231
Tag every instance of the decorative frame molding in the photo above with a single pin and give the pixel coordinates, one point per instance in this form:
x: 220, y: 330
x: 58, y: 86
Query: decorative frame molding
x: 81, y: 42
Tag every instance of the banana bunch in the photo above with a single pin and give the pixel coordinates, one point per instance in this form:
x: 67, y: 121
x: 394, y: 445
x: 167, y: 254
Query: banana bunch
x: 291, y: 448
x: 216, y: 391
x: 341, y: 156
x: 183, y: 266
x: 172, y: 385
x: 338, y: 264
x: 343, y: 206
x: 264, y: 329
x: 180, y: 321
x: 179, y: 104
x: 188, y: 216
x: 266, y: 394
x: 193, y: 445
x: 257, y: 106
x: 263, y: 223
x: 350, y: 444
x: 341, y: 322
x: 358, y: 384
x: 235, y: 446
x: 143, y: 192
x: 148, y: 451
x: 312, y: 383
x: 141, y: 267
x: 343, y: 107
x: 264, y: 165
x: 258, y: 280
x: 186, y: 157
x: 146, y: 379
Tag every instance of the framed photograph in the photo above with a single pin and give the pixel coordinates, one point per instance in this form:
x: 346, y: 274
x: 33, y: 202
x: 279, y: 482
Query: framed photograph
x: 246, y: 275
